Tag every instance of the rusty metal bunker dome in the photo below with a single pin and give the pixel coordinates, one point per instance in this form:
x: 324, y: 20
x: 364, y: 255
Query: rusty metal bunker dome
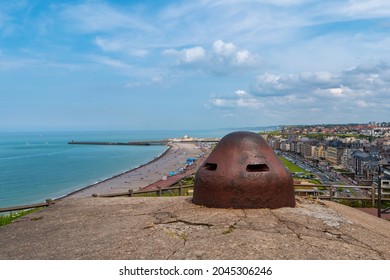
x: 243, y: 172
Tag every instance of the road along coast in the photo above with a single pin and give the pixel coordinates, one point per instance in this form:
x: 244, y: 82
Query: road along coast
x: 174, y: 159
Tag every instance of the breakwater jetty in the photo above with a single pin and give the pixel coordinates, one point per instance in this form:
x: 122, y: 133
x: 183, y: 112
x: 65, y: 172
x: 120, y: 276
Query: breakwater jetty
x: 148, y: 142
x: 132, y: 143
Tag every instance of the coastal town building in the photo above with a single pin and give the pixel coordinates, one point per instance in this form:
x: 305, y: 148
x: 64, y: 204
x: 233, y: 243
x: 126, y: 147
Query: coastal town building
x: 334, y: 155
x: 308, y: 150
x: 285, y: 146
x: 319, y: 153
x: 365, y: 166
x: 356, y: 148
x: 347, y: 159
x: 386, y: 172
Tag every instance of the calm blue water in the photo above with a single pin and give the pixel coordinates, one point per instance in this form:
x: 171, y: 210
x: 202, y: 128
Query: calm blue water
x: 35, y: 166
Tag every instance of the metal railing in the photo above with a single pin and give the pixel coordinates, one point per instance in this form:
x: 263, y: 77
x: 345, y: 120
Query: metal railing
x: 334, y: 194
x: 159, y: 192
x: 49, y: 202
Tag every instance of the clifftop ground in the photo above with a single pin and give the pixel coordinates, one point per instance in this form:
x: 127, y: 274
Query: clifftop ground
x: 175, y: 228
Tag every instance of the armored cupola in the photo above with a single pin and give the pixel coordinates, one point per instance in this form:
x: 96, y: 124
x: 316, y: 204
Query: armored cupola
x: 243, y: 172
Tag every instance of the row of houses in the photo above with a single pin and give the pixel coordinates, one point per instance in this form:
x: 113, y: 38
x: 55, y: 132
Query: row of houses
x: 359, y: 157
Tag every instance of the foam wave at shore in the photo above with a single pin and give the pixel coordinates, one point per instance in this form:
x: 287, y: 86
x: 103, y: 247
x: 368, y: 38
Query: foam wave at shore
x: 80, y: 190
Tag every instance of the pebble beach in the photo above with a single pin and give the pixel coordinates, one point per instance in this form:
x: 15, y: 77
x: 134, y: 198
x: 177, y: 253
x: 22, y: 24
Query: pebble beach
x: 145, y: 175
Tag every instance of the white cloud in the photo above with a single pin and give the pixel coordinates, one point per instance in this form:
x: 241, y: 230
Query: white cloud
x: 228, y: 55
x: 316, y: 77
x: 269, y: 84
x: 364, y: 104
x: 107, y: 46
x: 193, y: 55
x: 285, y: 3
x: 340, y: 91
x: 360, y: 80
x: 102, y: 17
x: 242, y: 57
x: 120, y: 45
x: 219, y: 102
x: 372, y: 78
x: 156, y: 80
x: 313, y: 97
x: 223, y: 49
x: 236, y: 103
x: 366, y: 9
x: 222, y: 58
x: 336, y: 91
x: 187, y: 56
x: 249, y: 103
x: 240, y: 92
x: 240, y: 100
x: 114, y: 63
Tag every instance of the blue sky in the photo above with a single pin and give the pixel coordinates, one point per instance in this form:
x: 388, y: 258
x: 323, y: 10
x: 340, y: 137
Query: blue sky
x: 88, y: 65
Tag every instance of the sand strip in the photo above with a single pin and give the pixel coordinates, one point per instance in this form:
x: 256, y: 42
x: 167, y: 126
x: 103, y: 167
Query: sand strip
x: 145, y: 175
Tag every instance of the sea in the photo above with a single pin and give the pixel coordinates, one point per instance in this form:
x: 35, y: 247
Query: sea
x: 35, y: 166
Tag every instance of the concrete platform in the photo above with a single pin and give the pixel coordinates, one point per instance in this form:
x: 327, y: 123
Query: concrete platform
x: 174, y: 228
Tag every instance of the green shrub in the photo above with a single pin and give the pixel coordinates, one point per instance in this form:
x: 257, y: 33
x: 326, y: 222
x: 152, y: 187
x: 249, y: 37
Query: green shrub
x: 10, y: 217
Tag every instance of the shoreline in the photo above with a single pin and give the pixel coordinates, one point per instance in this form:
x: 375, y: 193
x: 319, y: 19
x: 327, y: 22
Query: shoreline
x: 173, y: 158
x: 114, y: 176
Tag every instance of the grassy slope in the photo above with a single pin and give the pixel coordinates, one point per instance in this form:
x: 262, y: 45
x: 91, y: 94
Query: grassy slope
x: 8, y: 218
x: 291, y: 166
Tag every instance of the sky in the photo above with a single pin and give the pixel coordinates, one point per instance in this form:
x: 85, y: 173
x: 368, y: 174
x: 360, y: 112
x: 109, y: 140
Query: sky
x: 206, y: 64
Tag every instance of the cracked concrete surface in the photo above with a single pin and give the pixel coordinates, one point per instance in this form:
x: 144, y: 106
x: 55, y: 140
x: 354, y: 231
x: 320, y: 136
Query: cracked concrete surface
x: 174, y: 228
